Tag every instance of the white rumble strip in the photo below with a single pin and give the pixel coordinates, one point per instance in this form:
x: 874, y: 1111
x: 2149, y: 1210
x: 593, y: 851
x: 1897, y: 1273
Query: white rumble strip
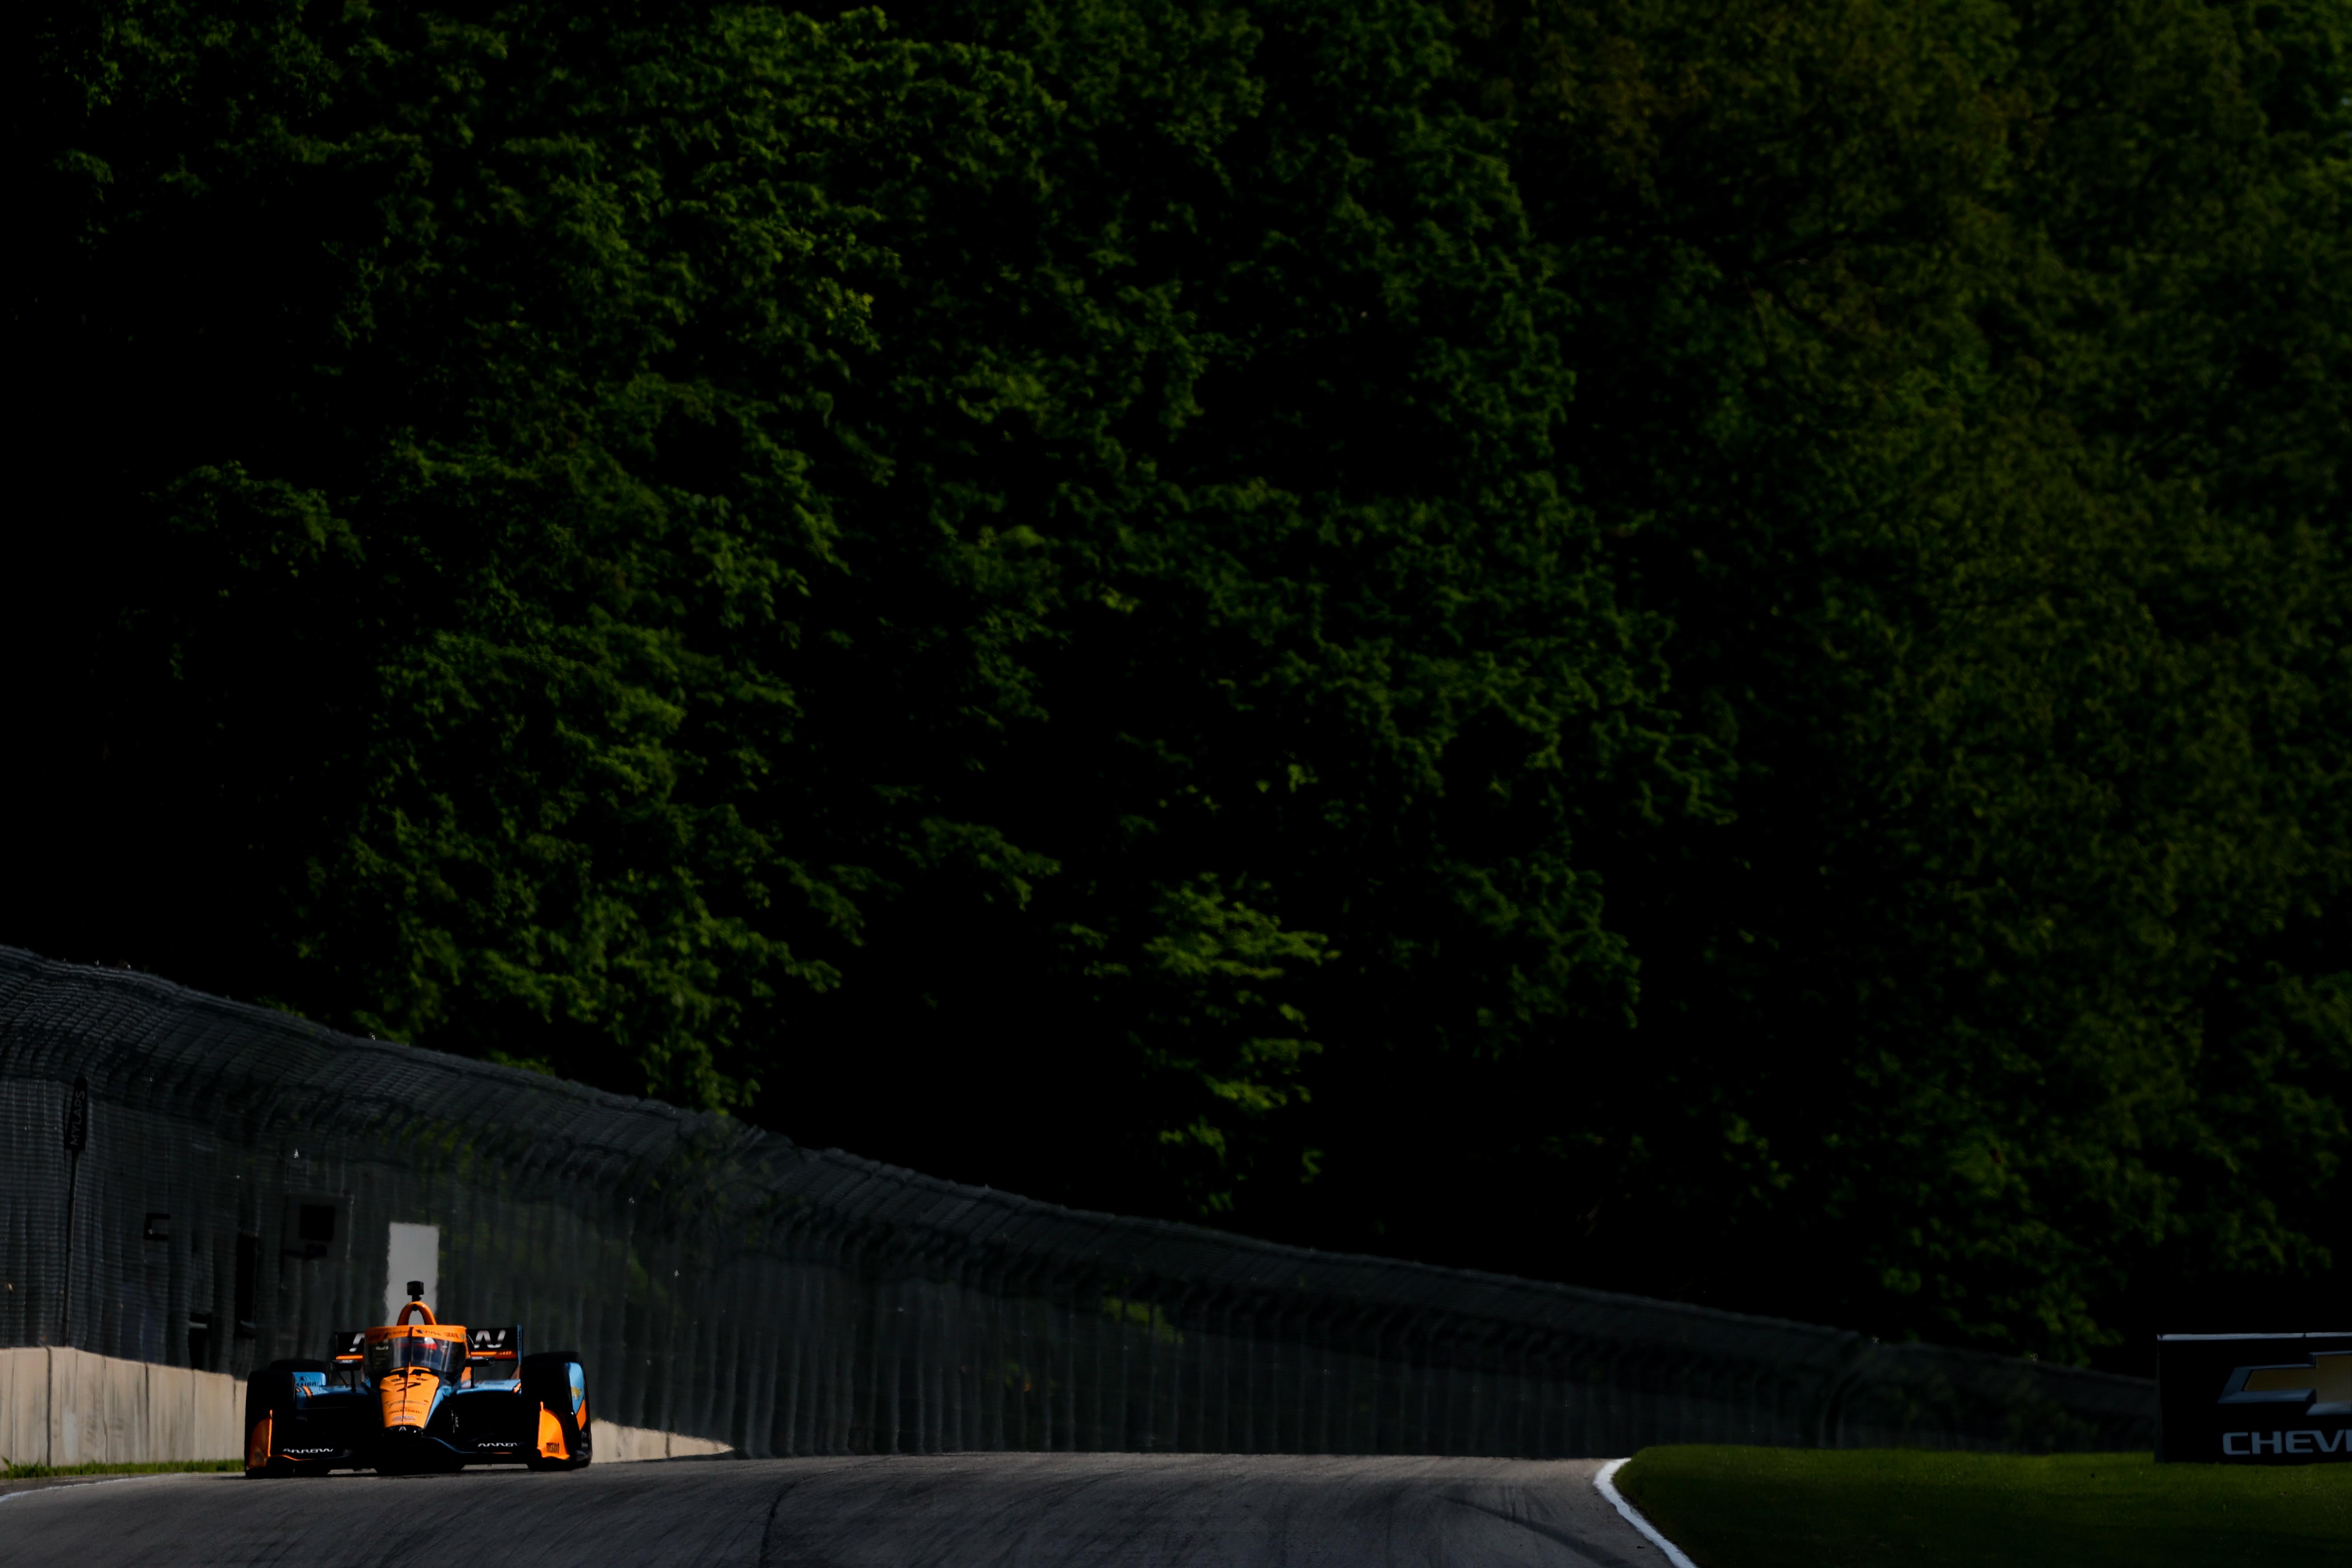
x: 1606, y: 1480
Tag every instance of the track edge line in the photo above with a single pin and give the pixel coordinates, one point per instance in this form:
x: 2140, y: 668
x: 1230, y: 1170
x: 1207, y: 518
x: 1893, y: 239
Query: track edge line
x: 1605, y: 1479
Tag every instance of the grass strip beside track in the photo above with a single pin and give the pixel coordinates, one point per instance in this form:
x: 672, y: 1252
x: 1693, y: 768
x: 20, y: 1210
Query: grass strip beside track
x: 165, y: 1467
x: 1910, y: 1508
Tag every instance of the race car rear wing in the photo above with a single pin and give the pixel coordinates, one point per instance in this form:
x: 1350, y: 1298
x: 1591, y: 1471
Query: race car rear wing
x: 496, y: 1352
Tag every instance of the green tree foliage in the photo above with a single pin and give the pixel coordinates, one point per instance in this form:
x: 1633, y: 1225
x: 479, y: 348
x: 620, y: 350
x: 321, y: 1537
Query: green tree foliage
x: 1701, y: 648
x: 1969, y: 391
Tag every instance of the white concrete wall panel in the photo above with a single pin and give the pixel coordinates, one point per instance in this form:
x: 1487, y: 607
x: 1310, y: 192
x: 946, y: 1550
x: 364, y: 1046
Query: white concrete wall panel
x: 191, y: 1415
x: 124, y: 1408
x: 24, y: 1405
x: 627, y: 1445
x: 618, y: 1444
x: 68, y: 1412
x: 219, y: 1416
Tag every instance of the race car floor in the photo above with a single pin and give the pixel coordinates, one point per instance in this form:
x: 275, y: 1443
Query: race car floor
x: 969, y: 1510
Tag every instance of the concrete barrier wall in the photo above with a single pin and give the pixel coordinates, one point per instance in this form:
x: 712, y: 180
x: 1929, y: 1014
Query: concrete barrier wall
x: 69, y: 1407
x: 25, y: 1407
x: 627, y: 1445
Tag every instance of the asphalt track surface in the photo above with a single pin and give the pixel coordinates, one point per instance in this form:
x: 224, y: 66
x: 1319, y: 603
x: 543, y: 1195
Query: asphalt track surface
x: 975, y: 1511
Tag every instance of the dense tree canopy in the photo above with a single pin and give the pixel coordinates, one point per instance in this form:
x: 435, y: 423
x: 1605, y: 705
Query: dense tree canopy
x: 1702, y: 648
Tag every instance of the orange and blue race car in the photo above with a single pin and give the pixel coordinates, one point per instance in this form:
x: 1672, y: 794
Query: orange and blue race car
x: 419, y: 1397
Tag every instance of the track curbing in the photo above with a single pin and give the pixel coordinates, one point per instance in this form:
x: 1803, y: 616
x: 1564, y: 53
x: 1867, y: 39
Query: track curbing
x: 1605, y: 1479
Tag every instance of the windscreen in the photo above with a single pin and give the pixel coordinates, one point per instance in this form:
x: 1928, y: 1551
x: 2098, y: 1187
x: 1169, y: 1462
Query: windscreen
x: 435, y: 1356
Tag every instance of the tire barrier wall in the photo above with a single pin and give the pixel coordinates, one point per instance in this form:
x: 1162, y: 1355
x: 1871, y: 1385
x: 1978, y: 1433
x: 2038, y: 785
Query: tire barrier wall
x: 247, y: 1183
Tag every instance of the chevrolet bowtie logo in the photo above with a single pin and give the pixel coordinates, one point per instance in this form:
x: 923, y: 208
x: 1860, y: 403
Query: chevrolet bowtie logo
x: 2323, y: 1383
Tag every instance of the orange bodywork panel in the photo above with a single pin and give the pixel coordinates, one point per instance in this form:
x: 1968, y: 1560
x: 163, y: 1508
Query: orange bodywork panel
x: 256, y: 1445
x: 551, y: 1445
x: 406, y: 1397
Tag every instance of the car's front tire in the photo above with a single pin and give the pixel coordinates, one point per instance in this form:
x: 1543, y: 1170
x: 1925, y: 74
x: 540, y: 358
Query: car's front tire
x: 268, y: 1405
x: 549, y: 1382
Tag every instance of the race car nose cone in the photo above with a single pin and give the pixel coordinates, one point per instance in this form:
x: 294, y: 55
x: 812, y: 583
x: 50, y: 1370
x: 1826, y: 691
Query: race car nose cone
x: 407, y: 1400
